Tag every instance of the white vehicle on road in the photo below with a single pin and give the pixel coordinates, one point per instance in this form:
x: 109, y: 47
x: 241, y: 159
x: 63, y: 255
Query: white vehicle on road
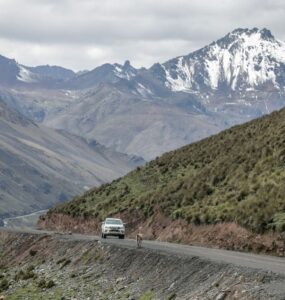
x: 113, y: 227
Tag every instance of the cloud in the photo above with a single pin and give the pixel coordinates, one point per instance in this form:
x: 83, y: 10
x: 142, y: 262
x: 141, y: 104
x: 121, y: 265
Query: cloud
x: 84, y: 34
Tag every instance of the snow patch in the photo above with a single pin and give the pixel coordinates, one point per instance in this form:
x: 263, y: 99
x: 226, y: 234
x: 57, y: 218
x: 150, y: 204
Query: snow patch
x: 25, y: 75
x: 144, y: 91
x: 125, y: 74
x: 183, y: 81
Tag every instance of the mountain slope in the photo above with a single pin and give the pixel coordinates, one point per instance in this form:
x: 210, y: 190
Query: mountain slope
x: 235, y: 176
x: 132, y: 124
x: 40, y: 166
x: 9, y: 70
x: 53, y: 72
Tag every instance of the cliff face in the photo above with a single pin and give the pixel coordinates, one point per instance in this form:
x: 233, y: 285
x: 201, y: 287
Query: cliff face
x: 53, y: 267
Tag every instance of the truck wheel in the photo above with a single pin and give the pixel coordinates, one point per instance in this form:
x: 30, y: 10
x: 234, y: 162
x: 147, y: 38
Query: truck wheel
x: 121, y: 237
x: 103, y: 236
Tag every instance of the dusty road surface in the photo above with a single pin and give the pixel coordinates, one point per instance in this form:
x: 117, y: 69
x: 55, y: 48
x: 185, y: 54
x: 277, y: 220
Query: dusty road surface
x: 260, y: 262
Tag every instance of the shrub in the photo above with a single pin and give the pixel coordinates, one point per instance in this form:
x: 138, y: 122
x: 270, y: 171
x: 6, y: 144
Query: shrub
x: 65, y: 263
x: 4, y: 285
x: 278, y: 223
x: 27, y: 274
x: 172, y: 296
x: 43, y: 284
x: 33, y: 252
x: 50, y: 284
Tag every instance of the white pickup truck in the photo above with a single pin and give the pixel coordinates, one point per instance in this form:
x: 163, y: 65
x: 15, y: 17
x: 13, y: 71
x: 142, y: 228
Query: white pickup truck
x: 113, y: 227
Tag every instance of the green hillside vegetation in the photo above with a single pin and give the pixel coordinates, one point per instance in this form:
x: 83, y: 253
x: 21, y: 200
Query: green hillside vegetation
x: 237, y: 175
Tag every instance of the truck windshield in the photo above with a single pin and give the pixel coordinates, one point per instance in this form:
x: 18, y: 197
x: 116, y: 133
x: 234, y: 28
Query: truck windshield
x: 114, y: 222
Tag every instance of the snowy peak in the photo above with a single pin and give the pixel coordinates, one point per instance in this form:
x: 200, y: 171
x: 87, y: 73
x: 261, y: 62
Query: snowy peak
x: 125, y: 71
x: 241, y: 34
x: 245, y: 59
x: 264, y: 33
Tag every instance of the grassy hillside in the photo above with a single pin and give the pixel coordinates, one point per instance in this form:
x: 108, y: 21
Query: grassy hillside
x: 237, y: 175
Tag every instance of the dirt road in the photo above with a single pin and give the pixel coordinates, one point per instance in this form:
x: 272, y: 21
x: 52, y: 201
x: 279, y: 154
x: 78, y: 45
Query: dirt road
x: 260, y: 262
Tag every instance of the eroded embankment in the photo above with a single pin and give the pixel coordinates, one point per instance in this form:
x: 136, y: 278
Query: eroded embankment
x: 228, y: 236
x: 60, y: 267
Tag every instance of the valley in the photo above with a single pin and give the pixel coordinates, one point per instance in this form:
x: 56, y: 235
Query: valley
x: 40, y: 166
x: 142, y: 150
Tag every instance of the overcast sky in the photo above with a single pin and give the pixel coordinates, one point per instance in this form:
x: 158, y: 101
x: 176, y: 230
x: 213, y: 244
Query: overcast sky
x: 82, y: 34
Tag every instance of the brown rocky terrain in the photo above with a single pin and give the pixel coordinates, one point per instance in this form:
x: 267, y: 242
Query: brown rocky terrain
x: 55, y: 266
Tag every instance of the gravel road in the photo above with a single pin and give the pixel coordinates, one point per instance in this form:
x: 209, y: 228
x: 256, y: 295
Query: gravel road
x: 260, y: 262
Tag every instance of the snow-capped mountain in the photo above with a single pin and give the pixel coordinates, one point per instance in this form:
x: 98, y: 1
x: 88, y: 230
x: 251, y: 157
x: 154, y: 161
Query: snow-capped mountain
x: 149, y: 111
x: 245, y: 59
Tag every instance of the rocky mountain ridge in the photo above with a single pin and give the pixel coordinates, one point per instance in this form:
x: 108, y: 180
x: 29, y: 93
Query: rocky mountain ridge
x: 150, y: 111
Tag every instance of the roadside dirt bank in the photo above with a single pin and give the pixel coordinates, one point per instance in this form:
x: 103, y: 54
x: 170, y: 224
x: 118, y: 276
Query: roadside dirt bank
x: 228, y: 236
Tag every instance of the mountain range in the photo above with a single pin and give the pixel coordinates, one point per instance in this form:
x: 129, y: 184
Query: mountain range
x: 148, y: 111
